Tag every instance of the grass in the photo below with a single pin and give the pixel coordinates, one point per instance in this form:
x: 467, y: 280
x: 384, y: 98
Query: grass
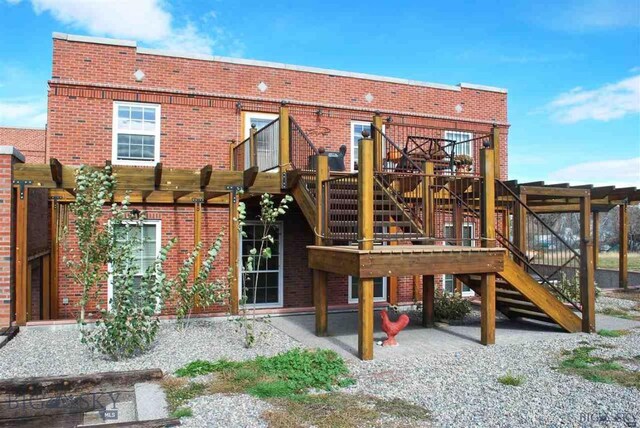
x: 182, y: 412
x: 339, y: 410
x: 596, y: 369
x: 609, y: 260
x: 612, y: 333
x: 511, y: 380
x: 620, y: 313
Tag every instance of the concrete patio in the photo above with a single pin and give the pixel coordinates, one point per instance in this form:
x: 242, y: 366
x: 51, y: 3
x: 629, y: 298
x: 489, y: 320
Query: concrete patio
x: 417, y: 340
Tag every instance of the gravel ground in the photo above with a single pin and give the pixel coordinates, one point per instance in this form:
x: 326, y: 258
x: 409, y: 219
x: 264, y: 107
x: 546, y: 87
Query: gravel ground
x: 460, y: 389
x: 44, y: 352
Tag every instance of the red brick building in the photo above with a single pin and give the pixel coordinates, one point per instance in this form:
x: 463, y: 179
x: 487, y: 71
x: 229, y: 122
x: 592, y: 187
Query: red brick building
x: 110, y: 100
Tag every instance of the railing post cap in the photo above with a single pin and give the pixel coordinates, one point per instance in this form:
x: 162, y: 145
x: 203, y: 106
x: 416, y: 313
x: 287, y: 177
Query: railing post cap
x: 365, y: 133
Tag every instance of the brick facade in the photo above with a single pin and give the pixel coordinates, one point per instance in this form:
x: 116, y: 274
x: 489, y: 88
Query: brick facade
x: 203, y: 106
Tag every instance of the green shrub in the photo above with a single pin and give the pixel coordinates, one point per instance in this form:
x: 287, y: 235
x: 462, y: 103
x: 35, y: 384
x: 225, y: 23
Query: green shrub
x: 570, y: 288
x: 450, y: 306
x: 182, y: 412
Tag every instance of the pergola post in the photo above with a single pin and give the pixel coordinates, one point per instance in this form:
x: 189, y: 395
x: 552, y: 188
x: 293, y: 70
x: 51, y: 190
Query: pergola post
x: 252, y: 146
x: 197, y: 237
x: 54, y: 259
x: 596, y: 238
x: 320, y: 300
x: 365, y: 242
x: 488, y: 231
x: 283, y: 152
x: 21, y: 293
x: 587, y: 286
x: 623, y: 266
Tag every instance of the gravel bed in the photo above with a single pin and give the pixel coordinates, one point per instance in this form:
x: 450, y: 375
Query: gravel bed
x: 226, y: 410
x: 47, y: 352
x: 610, y: 302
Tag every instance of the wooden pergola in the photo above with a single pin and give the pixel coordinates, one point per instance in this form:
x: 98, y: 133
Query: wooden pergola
x: 156, y: 185
x: 545, y: 198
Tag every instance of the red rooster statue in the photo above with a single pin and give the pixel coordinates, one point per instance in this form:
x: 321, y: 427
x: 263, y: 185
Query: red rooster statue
x: 392, y: 328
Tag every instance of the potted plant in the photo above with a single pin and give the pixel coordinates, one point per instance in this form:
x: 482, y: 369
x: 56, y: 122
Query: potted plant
x: 463, y: 163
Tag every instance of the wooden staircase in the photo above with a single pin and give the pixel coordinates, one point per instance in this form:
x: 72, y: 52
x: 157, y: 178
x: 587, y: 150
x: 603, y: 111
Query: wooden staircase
x: 519, y: 295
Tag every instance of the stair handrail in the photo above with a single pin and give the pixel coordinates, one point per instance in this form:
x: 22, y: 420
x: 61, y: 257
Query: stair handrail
x: 402, y: 152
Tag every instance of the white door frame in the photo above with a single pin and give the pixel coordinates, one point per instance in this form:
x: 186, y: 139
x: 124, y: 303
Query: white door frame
x: 280, y: 302
x: 246, y: 132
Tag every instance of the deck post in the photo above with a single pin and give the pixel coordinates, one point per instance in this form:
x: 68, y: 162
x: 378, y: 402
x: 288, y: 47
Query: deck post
x: 197, y: 237
x: 488, y: 232
x: 596, y: 238
x: 427, y: 199
x: 520, y: 225
x: 365, y: 242
x: 458, y: 228
x: 22, y: 264
x: 378, y: 154
x: 252, y: 146
x: 428, y: 297
x: 495, y: 145
x: 587, y: 286
x: 54, y: 260
x: 46, y: 287
x: 232, y: 160
x: 283, y: 150
x: 623, y: 265
x: 320, y: 300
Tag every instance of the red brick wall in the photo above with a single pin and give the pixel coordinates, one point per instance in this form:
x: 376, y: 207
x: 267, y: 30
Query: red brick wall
x: 7, y: 240
x: 201, y: 110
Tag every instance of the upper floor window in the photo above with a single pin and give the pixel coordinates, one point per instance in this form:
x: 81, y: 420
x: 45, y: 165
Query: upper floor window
x: 356, y: 134
x: 136, y: 133
x: 463, y: 144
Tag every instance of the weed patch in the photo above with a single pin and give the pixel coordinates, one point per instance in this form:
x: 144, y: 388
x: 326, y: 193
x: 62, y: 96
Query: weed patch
x: 620, y: 313
x: 612, y: 333
x: 182, y: 412
x: 596, y: 369
x: 339, y: 410
x: 511, y: 380
x: 179, y: 391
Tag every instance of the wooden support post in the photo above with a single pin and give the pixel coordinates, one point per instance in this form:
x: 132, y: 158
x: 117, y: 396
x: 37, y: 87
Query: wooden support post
x: 623, y: 266
x: 520, y: 225
x: 234, y: 235
x: 488, y: 232
x: 46, y: 287
x: 22, y: 264
x: 54, y: 259
x: 197, y: 237
x: 495, y: 145
x: 365, y: 242
x: 252, y: 146
x: 283, y: 152
x: 488, y: 309
x: 428, y: 298
x: 232, y: 160
x: 427, y: 200
x: 320, y: 300
x: 596, y: 238
x: 587, y: 285
x: 378, y: 154
x: 458, y: 222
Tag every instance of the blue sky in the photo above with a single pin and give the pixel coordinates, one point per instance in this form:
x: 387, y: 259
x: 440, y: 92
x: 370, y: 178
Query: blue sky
x: 572, y: 67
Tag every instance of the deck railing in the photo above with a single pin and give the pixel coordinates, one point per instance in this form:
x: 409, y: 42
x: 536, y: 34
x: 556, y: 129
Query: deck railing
x: 262, y: 151
x: 532, y: 242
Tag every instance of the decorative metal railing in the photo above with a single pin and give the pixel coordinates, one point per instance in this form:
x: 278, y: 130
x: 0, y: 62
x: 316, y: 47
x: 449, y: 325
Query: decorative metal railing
x: 532, y: 242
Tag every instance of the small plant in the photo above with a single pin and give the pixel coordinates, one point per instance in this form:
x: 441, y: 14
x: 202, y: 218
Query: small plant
x: 269, y: 214
x: 597, y: 369
x: 201, y: 292
x: 182, y: 412
x: 179, y: 391
x: 450, y: 306
x: 568, y: 289
x: 511, y: 380
x: 612, y: 333
x: 286, y: 374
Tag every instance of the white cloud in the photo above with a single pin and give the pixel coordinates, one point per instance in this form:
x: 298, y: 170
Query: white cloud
x: 618, y: 172
x: 147, y: 21
x: 611, y: 101
x: 30, y: 112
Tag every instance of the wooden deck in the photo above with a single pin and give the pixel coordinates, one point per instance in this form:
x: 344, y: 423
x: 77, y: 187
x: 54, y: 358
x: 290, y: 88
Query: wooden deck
x: 405, y: 260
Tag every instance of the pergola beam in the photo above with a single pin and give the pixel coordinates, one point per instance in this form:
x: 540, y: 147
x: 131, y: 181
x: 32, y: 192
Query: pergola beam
x: 249, y: 177
x: 157, y: 175
x: 205, y: 176
x: 56, y: 171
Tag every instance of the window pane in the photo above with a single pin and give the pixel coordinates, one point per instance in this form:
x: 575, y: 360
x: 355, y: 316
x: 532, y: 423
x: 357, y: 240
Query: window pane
x: 149, y: 114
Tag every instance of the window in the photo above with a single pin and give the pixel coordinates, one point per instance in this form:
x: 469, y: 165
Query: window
x: 467, y: 241
x: 269, y: 288
x: 356, y: 134
x: 379, y: 289
x: 136, y: 133
x: 460, y: 137
x: 148, y: 235
x: 267, y: 143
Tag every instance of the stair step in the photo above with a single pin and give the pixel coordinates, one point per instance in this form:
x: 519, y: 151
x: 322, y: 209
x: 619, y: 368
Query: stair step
x: 524, y: 313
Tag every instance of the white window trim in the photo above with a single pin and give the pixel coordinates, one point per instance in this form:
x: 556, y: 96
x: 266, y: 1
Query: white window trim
x: 158, y: 224
x: 280, y: 302
x: 447, y: 136
x: 246, y: 132
x: 155, y: 133
x: 469, y: 293
x: 383, y: 298
x: 352, y: 149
